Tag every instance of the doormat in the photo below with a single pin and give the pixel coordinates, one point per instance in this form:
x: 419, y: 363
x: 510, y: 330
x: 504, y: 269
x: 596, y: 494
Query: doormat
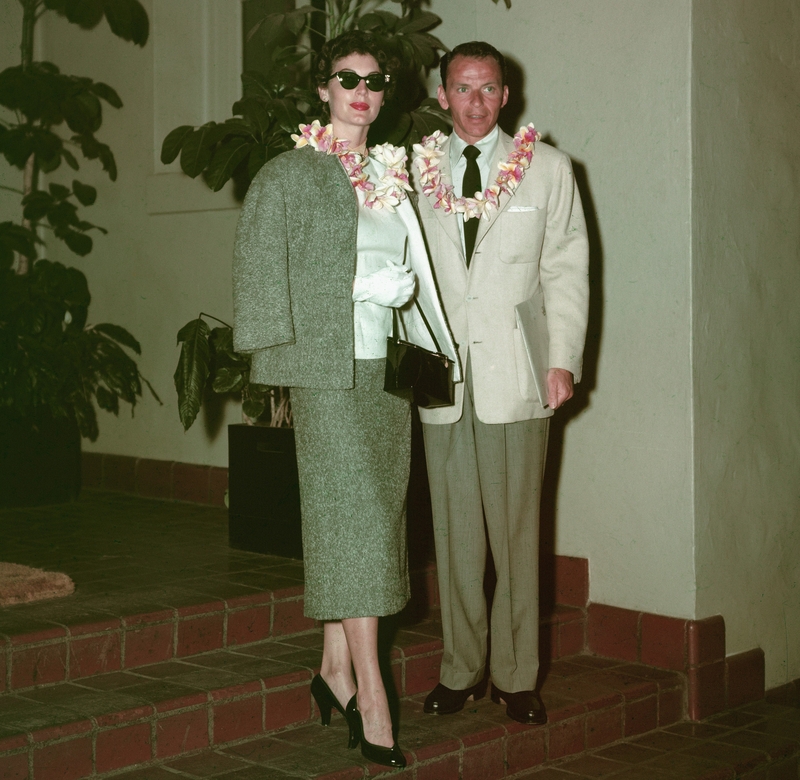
x: 22, y: 584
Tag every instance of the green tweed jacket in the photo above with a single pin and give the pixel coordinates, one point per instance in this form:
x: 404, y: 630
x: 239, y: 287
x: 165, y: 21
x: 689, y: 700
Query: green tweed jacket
x: 293, y: 267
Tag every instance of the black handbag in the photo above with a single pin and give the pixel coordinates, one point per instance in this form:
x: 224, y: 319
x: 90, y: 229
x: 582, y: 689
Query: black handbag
x: 411, y: 370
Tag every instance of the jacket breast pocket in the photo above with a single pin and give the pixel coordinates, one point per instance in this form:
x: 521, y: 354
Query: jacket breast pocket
x: 521, y: 233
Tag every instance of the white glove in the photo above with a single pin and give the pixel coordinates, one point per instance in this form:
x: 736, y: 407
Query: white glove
x: 391, y: 286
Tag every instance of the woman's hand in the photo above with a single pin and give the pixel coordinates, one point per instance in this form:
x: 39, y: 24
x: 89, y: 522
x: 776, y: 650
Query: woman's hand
x: 391, y: 286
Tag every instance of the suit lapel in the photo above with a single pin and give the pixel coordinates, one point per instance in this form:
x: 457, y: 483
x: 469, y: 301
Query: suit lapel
x: 505, y: 145
x: 447, y: 221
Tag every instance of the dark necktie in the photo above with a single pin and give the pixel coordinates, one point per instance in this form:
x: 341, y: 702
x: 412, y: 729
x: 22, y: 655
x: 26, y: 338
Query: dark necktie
x: 471, y: 185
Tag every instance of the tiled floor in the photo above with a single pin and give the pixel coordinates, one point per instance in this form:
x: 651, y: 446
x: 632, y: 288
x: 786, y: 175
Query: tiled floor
x: 126, y: 548
x: 156, y: 561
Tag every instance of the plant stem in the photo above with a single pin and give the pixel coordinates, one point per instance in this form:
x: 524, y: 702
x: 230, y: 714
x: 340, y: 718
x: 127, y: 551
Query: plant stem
x: 212, y: 317
x: 28, y: 25
x: 30, y: 176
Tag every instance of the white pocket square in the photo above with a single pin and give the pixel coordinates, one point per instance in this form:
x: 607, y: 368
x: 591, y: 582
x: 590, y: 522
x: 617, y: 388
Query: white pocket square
x: 523, y: 208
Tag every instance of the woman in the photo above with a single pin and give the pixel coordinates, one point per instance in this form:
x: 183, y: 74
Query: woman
x: 328, y: 243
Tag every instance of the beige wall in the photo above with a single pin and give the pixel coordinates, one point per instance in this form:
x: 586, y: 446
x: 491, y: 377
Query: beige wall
x: 746, y: 323
x: 10, y: 35
x: 667, y: 513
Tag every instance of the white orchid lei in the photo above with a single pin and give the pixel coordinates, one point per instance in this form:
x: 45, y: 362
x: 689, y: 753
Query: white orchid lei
x: 392, y: 186
x: 426, y: 160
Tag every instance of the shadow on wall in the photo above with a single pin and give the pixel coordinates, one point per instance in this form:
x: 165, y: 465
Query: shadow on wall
x: 513, y: 113
x: 583, y: 390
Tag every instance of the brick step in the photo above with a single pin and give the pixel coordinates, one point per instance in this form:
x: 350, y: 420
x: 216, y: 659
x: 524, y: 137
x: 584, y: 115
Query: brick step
x: 49, y: 643
x: 215, y: 704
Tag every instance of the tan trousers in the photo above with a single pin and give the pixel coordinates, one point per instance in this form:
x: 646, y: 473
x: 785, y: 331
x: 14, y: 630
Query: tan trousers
x: 477, y: 470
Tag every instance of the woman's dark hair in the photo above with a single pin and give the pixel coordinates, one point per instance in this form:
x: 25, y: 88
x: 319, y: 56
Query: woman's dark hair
x: 479, y: 50
x: 352, y: 42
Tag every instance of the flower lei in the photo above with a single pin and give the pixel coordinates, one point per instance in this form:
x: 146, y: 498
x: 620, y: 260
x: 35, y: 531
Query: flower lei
x: 392, y: 186
x: 426, y: 160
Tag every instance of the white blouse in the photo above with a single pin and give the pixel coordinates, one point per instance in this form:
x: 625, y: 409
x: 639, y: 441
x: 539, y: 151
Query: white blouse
x: 382, y: 236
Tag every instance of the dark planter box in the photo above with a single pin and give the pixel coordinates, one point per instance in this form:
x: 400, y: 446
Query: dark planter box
x: 263, y: 491
x: 39, y: 464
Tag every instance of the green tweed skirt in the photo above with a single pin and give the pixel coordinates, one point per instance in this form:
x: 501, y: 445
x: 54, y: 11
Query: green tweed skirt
x: 353, y: 458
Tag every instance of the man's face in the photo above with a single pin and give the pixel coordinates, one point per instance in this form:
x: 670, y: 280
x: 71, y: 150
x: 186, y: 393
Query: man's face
x: 474, y: 94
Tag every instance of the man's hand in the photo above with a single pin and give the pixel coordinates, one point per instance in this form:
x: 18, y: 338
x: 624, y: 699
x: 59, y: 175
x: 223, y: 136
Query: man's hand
x: 559, y: 387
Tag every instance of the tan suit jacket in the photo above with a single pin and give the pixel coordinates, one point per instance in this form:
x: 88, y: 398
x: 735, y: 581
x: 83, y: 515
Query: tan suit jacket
x: 534, y: 245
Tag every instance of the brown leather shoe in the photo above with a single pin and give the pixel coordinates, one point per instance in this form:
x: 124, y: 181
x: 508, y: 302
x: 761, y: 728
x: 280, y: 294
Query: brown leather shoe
x: 523, y: 706
x: 445, y: 701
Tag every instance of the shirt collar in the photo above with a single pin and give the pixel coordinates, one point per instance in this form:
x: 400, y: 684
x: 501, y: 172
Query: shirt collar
x: 487, y: 145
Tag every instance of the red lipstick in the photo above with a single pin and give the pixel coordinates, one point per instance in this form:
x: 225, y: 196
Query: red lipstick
x: 358, y: 106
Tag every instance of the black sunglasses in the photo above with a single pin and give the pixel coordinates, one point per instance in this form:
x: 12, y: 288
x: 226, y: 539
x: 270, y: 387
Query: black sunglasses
x: 376, y: 82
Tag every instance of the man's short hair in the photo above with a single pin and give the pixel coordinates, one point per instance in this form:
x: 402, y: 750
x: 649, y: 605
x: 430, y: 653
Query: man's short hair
x: 479, y: 50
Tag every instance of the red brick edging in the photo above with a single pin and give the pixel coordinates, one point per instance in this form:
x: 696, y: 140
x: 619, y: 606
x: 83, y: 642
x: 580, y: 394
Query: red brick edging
x: 64, y: 653
x: 150, y: 478
x: 694, y: 647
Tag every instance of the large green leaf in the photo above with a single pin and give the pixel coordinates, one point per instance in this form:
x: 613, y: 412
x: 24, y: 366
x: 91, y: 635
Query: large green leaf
x: 63, y: 214
x: 17, y: 145
x: 107, y: 400
x: 257, y: 85
x: 106, y: 93
x: 86, y: 417
x: 36, y: 205
x: 79, y: 243
x: 92, y: 149
x: 108, y: 162
x: 227, y: 380
x: 418, y: 22
x: 58, y: 191
x: 85, y: 194
x: 171, y: 147
x: 192, y: 371
x: 255, y: 112
x: 48, y: 148
x: 258, y: 156
x: 118, y: 333
x: 128, y: 20
x: 198, y: 148
x: 378, y: 21
x: 86, y: 13
x: 225, y: 159
x: 253, y: 408
x: 15, y: 238
x: 83, y: 112
x: 69, y: 157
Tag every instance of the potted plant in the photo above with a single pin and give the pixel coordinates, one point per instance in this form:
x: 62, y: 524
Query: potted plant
x: 263, y: 491
x: 54, y: 365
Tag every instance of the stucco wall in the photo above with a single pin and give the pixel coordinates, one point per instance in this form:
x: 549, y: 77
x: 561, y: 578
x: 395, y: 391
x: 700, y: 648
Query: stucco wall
x: 10, y: 35
x: 746, y: 346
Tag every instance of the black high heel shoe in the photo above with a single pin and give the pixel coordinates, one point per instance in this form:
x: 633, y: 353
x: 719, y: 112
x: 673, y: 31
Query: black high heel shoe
x: 326, y: 701
x: 385, y: 756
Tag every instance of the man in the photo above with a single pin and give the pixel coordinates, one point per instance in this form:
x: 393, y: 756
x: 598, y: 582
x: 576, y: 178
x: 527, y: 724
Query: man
x: 486, y: 453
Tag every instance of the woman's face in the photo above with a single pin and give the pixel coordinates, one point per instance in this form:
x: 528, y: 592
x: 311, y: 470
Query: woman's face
x: 352, y: 109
